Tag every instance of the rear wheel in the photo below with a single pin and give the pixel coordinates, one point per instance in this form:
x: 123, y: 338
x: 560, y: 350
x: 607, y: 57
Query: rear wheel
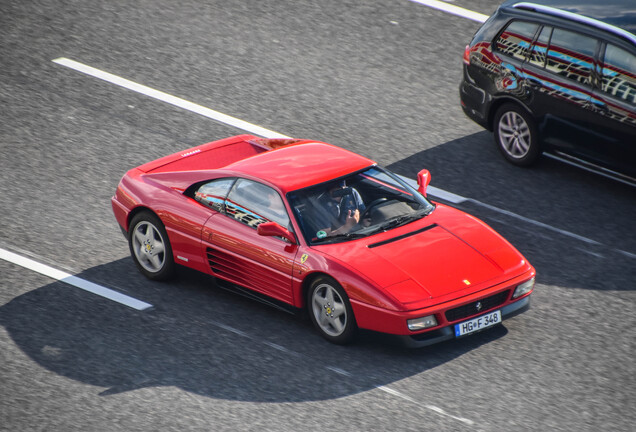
x: 516, y: 135
x: 150, y: 247
x: 330, y: 311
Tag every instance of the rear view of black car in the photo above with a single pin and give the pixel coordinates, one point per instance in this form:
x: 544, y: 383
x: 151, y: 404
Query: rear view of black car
x: 557, y: 76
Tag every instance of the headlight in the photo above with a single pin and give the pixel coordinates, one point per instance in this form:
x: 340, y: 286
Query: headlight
x: 422, y: 323
x: 524, y: 288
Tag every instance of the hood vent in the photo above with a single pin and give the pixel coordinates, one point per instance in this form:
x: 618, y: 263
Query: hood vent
x: 403, y: 236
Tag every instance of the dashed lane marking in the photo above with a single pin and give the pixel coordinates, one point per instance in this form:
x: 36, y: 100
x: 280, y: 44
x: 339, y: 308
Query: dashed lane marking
x: 340, y: 372
x: 433, y: 408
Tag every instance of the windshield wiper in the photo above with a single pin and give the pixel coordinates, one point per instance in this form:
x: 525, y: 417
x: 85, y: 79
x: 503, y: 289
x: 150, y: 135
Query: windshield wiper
x: 340, y: 237
x: 401, y: 220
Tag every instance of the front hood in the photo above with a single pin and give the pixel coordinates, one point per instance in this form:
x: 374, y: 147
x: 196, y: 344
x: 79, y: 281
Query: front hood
x: 433, y: 257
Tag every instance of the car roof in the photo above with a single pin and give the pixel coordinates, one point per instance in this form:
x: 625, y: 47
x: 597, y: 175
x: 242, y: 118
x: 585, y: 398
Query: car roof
x: 301, y: 165
x: 617, y: 13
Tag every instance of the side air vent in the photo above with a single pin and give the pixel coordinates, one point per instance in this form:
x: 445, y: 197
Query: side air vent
x: 224, y: 266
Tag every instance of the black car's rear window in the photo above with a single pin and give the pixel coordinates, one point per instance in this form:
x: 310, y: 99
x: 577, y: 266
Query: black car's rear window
x: 515, y: 40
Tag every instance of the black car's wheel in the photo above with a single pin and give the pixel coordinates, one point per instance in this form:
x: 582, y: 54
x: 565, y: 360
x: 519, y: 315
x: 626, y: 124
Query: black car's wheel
x: 330, y: 310
x: 516, y: 135
x: 150, y: 247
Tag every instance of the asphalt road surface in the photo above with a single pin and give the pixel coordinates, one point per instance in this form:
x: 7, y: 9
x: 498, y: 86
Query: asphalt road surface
x: 379, y: 77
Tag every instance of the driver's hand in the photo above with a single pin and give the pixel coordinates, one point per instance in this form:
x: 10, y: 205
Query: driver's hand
x: 353, y: 217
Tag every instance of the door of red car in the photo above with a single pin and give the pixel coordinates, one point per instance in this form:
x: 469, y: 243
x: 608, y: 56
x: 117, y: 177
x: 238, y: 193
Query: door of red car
x: 237, y: 253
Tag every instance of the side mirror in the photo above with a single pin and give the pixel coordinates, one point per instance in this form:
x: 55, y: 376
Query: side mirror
x: 274, y: 230
x: 423, y: 179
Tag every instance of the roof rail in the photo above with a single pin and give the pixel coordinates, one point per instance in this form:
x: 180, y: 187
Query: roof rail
x: 576, y: 17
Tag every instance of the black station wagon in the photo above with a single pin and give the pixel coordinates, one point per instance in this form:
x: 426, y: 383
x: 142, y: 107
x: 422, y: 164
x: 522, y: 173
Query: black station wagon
x: 557, y: 76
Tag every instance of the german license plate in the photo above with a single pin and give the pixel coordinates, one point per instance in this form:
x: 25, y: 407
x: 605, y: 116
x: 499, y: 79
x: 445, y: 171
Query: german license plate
x: 479, y: 323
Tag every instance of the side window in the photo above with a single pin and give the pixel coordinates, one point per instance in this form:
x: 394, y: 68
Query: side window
x: 540, y: 48
x: 571, y: 55
x: 212, y: 194
x: 515, y: 40
x: 619, y: 74
x: 253, y: 203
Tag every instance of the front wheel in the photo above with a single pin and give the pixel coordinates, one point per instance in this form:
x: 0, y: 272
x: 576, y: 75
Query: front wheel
x: 516, y: 135
x: 150, y: 247
x: 330, y: 311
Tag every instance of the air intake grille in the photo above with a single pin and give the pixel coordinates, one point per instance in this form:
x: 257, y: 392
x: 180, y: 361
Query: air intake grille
x: 471, y: 308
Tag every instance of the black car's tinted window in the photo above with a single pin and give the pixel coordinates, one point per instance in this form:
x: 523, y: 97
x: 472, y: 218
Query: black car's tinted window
x: 619, y: 74
x: 571, y: 55
x: 253, y: 203
x: 213, y: 194
x: 515, y: 40
x: 540, y: 48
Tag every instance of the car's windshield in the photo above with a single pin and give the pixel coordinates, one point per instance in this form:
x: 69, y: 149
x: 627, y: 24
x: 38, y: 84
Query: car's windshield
x: 357, y: 205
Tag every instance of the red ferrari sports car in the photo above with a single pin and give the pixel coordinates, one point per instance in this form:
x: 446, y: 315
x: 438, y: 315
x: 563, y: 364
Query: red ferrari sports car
x: 313, y: 226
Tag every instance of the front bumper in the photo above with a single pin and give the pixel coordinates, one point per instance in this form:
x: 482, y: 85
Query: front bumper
x: 448, y: 332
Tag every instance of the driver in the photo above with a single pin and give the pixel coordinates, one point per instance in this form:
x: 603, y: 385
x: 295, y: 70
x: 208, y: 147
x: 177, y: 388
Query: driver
x: 344, y: 205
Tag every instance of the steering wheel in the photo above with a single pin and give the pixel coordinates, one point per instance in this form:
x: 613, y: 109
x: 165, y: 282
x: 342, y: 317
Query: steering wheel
x: 373, y: 203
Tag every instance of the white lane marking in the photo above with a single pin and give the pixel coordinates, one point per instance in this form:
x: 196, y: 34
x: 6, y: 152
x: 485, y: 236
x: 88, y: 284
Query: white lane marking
x: 280, y: 348
x: 452, y: 9
x: 616, y: 177
x: 338, y: 371
x: 627, y: 254
x: 165, y: 97
x: 231, y: 329
x: 444, y: 413
x: 433, y: 408
x: 457, y: 199
x: 395, y: 393
x: 439, y: 193
x: 534, y: 222
x: 73, y: 280
x: 445, y: 195
x: 597, y: 255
